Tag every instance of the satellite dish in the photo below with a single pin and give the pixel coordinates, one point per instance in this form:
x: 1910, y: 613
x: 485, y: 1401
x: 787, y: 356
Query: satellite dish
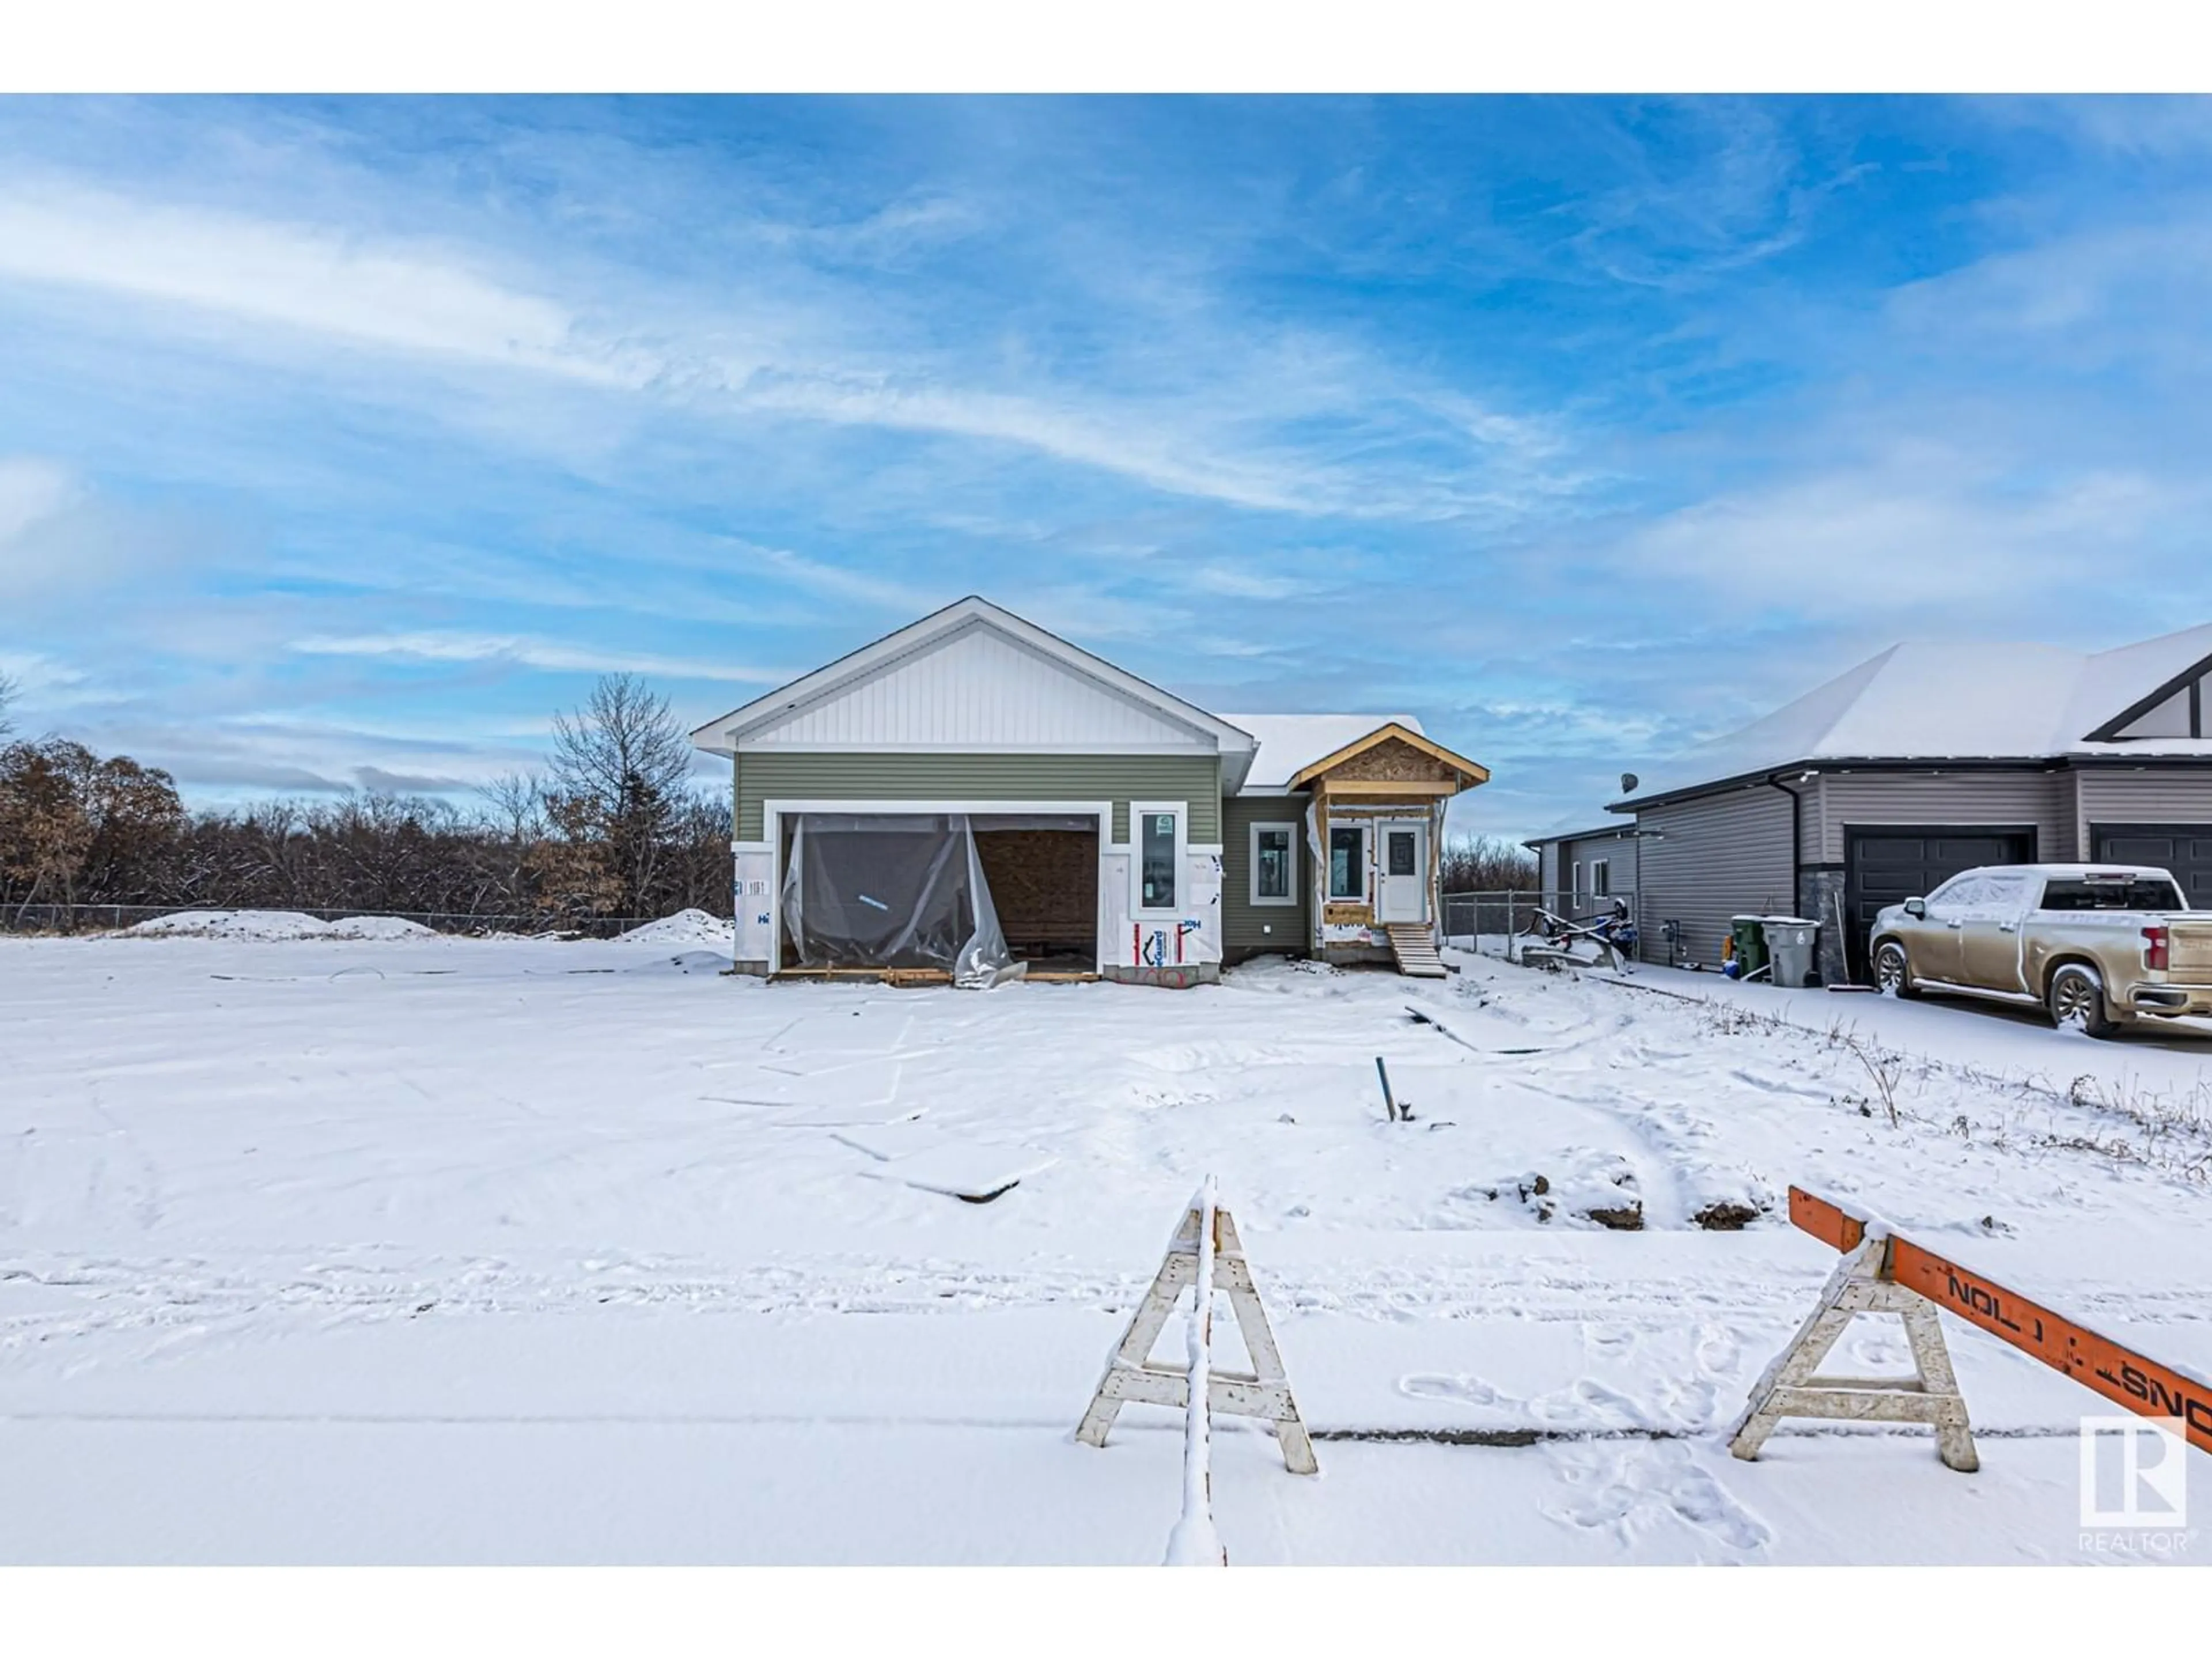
x: 1628, y: 783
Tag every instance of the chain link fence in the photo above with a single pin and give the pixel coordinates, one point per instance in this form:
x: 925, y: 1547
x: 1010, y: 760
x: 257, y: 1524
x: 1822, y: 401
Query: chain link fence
x: 1490, y: 923
x: 114, y: 918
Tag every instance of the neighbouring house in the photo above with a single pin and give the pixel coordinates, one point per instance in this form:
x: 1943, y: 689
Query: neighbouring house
x: 972, y: 792
x: 1926, y: 760
x: 1582, y: 868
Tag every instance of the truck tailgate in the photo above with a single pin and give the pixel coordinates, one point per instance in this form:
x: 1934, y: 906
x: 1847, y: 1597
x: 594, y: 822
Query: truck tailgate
x: 2189, y: 948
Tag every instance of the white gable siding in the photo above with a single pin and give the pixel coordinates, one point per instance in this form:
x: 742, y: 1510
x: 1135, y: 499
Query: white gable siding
x: 977, y: 690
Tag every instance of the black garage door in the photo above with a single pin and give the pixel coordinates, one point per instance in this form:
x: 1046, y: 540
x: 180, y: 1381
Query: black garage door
x: 1890, y: 865
x: 2184, y: 848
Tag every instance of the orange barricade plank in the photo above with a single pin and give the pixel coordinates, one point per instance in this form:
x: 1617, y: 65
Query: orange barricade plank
x: 2098, y: 1362
x: 1837, y: 1227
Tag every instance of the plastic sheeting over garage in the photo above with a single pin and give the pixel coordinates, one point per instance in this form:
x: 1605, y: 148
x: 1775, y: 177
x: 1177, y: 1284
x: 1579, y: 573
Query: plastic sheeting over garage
x: 879, y: 890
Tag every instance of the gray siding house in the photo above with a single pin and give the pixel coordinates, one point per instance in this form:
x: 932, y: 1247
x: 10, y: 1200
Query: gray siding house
x: 972, y: 791
x: 1581, y: 870
x: 1922, y: 762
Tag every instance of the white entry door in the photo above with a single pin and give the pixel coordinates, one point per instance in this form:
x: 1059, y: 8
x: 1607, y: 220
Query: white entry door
x: 1402, y: 881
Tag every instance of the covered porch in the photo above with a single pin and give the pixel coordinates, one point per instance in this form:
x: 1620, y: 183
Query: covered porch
x: 1376, y: 826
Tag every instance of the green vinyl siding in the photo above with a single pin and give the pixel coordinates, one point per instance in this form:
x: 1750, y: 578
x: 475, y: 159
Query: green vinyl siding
x: 1287, y: 927
x: 764, y: 775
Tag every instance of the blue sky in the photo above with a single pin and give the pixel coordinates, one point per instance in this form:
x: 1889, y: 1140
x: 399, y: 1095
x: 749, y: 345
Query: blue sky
x: 342, y: 442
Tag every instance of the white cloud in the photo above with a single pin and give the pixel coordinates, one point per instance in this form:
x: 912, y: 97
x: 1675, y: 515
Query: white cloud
x: 408, y: 299
x: 31, y: 491
x: 1932, y: 541
x: 1210, y: 421
x: 433, y: 646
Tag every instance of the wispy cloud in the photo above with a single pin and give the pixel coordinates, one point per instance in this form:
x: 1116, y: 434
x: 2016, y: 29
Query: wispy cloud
x: 461, y: 648
x: 30, y: 490
x: 366, y: 291
x: 742, y: 356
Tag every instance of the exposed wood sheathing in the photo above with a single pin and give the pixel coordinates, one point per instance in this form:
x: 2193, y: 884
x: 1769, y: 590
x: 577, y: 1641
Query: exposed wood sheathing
x: 1044, y: 885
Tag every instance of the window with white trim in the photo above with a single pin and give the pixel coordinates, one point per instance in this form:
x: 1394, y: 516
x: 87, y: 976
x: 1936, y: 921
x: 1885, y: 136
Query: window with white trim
x: 1574, y: 880
x: 1274, y: 863
x: 1347, y: 862
x: 1156, y: 856
x: 1601, y: 879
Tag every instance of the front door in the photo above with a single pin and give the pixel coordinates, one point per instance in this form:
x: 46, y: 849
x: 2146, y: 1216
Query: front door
x: 1402, y: 888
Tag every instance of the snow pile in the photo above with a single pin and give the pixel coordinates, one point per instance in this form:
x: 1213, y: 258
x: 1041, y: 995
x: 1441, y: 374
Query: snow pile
x: 685, y: 927
x: 277, y: 925
x: 233, y: 924
x: 379, y: 927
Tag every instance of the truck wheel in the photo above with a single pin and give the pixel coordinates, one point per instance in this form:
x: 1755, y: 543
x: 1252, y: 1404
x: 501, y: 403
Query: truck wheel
x: 2077, y: 1001
x: 1892, y: 970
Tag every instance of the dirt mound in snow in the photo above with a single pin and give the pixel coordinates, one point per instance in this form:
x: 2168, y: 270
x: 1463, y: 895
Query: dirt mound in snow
x: 233, y: 924
x: 685, y: 927
x: 274, y: 925
x: 379, y: 927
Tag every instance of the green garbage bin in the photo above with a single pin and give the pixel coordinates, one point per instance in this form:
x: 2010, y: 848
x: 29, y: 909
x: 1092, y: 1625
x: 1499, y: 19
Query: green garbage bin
x: 1750, y: 935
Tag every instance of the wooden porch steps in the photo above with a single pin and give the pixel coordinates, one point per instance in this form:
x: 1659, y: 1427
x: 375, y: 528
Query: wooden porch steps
x: 1414, y: 949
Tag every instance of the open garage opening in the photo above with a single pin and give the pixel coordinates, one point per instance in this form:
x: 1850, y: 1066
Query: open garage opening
x: 1043, y: 873
x: 955, y: 895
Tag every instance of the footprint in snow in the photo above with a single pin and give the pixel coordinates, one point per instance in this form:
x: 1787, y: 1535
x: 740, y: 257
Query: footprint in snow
x: 1635, y: 1488
x: 1589, y: 1404
x: 1464, y: 1390
x: 1718, y: 1353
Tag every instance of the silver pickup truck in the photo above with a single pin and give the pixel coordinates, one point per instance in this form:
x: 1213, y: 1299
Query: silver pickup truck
x: 2102, y: 946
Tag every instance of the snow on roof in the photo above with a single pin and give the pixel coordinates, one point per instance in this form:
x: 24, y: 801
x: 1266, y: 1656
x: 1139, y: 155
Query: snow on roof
x: 2111, y: 680
x: 1953, y: 700
x: 1291, y: 742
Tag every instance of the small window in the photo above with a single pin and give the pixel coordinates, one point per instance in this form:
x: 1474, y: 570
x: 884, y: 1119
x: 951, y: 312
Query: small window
x: 1156, y: 858
x: 1274, y: 863
x: 1347, y: 861
x: 1602, y: 878
x: 1398, y: 852
x: 1575, y: 879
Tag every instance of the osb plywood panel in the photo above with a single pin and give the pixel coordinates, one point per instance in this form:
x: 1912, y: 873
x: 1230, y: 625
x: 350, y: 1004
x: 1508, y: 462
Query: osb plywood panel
x: 1044, y: 884
x: 1350, y: 915
x: 1392, y: 761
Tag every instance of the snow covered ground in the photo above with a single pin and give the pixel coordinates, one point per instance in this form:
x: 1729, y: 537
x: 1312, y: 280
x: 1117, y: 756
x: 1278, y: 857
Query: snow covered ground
x: 433, y: 1249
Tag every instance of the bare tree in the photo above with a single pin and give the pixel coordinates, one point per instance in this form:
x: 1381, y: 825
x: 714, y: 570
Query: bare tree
x: 619, y: 830
x: 11, y: 689
x: 514, y: 806
x: 619, y: 766
x: 1488, y: 864
x: 45, y: 830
